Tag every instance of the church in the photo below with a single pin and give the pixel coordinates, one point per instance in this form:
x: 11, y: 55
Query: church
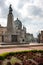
x: 14, y: 31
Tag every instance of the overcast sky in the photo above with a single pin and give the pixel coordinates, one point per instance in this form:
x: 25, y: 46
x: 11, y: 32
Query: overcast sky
x: 30, y: 12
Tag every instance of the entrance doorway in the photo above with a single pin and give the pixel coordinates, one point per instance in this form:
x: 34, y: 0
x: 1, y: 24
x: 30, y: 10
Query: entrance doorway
x: 14, y: 38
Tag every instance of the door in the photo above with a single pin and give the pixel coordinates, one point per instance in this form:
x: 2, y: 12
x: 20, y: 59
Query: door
x: 14, y: 38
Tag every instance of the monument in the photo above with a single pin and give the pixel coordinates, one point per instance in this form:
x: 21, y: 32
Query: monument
x: 15, y: 32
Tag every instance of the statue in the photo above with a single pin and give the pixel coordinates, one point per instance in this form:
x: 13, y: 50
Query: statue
x: 10, y: 9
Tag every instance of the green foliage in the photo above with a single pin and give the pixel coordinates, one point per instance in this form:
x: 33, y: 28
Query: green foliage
x: 14, y: 60
x: 1, y: 57
x: 5, y: 55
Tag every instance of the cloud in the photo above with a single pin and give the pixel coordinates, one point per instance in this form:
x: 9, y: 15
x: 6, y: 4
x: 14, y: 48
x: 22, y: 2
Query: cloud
x: 3, y: 8
x: 21, y: 3
x: 34, y: 29
x: 33, y: 25
x: 2, y: 3
x: 35, y: 11
x: 30, y: 13
x: 16, y: 13
x: 3, y: 21
x: 26, y: 21
x: 4, y: 12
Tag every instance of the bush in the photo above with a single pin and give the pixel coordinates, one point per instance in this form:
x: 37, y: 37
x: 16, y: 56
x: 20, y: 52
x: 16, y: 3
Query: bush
x: 14, y: 60
x: 6, y: 55
x: 17, y: 63
x: 0, y: 62
x: 40, y: 64
x: 9, y: 63
x: 2, y: 58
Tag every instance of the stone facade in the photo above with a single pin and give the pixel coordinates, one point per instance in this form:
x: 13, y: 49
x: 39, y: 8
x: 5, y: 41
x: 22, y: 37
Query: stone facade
x: 29, y: 37
x: 14, y: 31
x: 40, y: 37
x: 2, y: 32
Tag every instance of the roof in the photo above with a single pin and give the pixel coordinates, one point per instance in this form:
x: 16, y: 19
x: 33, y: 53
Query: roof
x: 18, y: 23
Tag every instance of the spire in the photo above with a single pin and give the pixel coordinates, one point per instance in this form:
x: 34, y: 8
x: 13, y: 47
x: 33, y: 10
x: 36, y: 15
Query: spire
x: 10, y: 9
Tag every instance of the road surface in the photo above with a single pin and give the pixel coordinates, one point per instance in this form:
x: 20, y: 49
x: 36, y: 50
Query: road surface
x: 16, y: 48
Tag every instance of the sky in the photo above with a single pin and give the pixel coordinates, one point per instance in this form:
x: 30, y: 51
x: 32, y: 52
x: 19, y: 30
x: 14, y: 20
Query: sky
x: 29, y: 12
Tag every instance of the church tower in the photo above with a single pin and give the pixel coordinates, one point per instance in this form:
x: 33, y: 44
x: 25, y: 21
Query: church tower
x: 10, y: 20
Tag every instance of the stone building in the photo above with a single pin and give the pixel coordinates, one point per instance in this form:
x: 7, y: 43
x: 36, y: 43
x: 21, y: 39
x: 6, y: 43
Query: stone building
x: 40, y: 37
x: 14, y: 31
x: 29, y: 37
x: 2, y: 31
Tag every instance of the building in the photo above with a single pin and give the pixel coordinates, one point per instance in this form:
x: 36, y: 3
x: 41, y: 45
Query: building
x: 14, y: 31
x: 29, y: 37
x: 2, y: 31
x: 40, y: 37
